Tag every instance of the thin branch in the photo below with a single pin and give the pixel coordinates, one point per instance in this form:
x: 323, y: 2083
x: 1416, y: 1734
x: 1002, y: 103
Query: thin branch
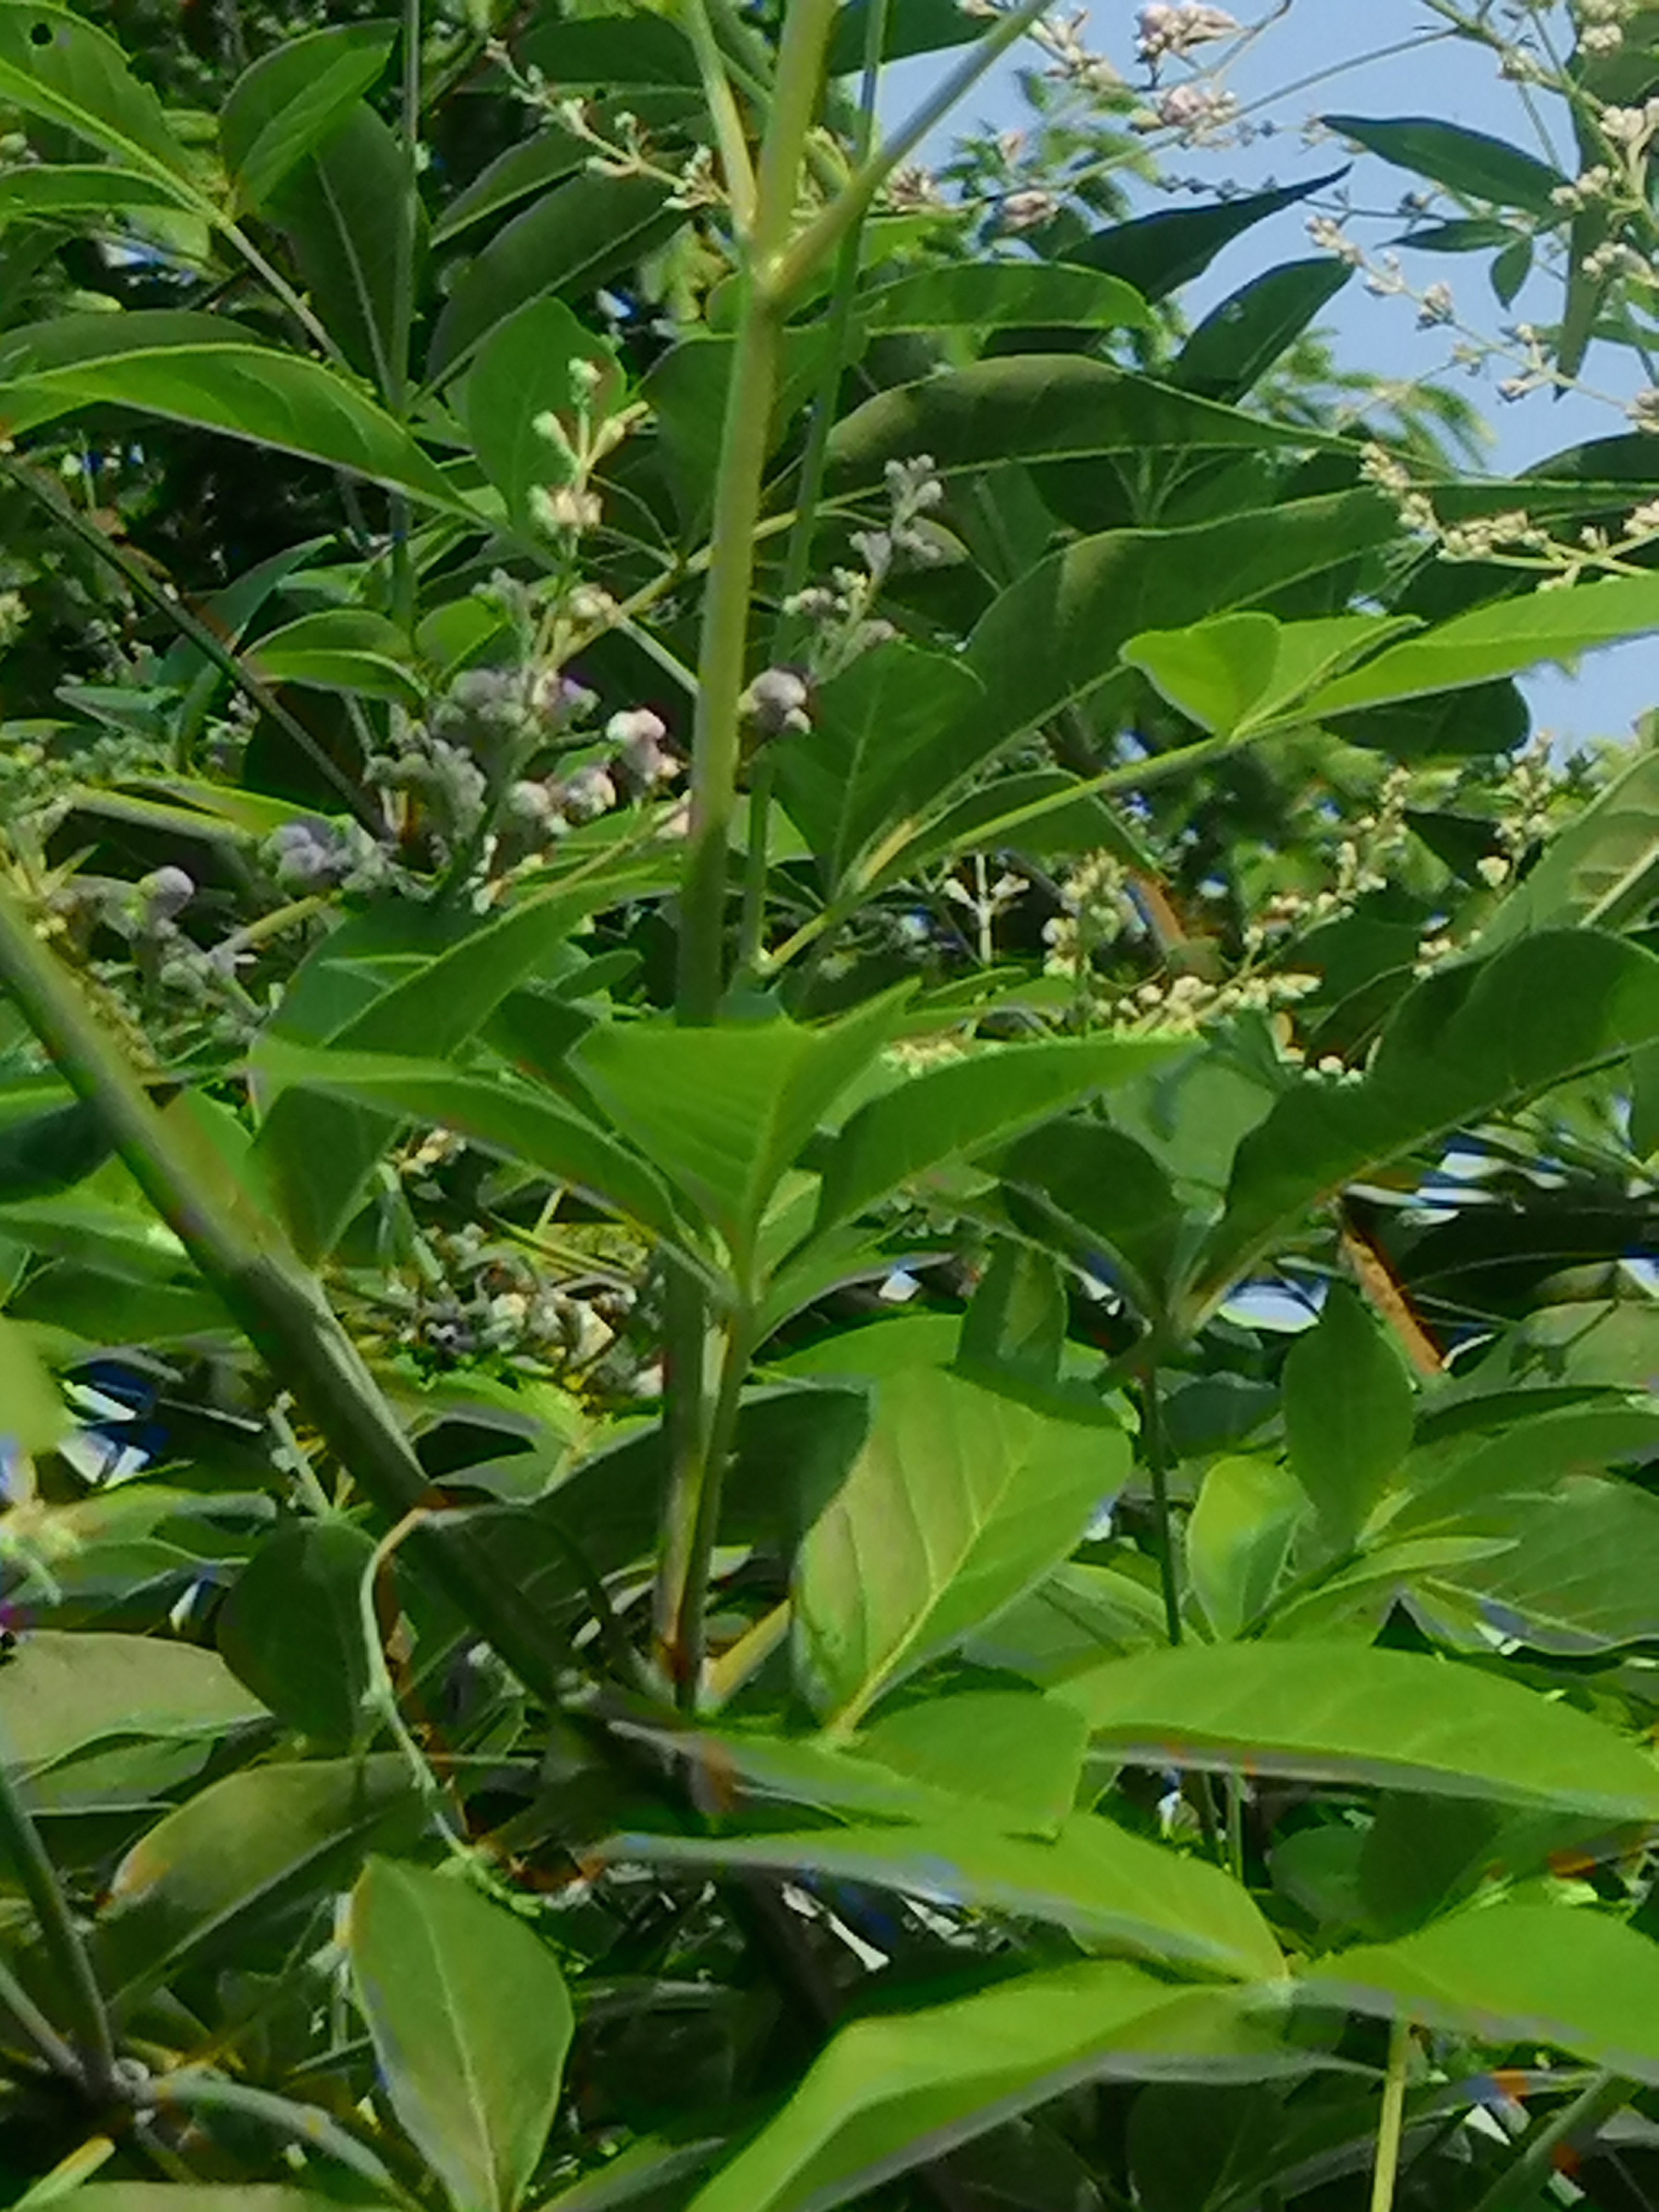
x: 20, y: 1843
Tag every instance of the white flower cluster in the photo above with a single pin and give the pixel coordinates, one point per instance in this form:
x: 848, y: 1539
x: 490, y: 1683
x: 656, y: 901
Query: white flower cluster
x: 1072, y: 62
x: 1164, y: 29
x: 1195, y: 110
x: 1601, y: 24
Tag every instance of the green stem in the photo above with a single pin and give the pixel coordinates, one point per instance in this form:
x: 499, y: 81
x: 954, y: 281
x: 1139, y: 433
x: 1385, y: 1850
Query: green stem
x: 36, y: 2029
x: 737, y: 514
x: 689, y: 1637
x: 723, y: 112
x: 797, y: 558
x: 822, y: 236
x: 307, y: 2124
x: 1598, y: 2102
x: 20, y: 1844
x: 1152, y: 1438
x: 281, y: 1308
x: 1391, y: 2120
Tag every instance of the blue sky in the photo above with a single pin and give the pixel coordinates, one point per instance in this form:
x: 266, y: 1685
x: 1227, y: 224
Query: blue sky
x: 1446, y: 78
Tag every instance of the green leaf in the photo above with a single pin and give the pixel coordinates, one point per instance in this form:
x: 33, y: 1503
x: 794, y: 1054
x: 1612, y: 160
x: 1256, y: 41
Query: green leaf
x: 725, y: 1112
x: 63, y: 1694
x: 47, y: 193
x: 534, y: 163
x: 1238, y: 342
x: 623, y: 53
x: 949, y: 1113
x: 961, y: 1500
x: 471, y: 2023
x: 55, y: 65
x: 1502, y: 639
x: 290, y: 1628
x: 1600, y: 871
x: 1004, y: 294
x: 340, y: 649
x: 286, y: 105
x: 1059, y: 632
x: 1234, y: 673
x: 502, y: 1116
x: 316, y: 1154
x: 1565, y: 1573
x: 1104, y: 1194
x: 919, y: 26
x: 359, y: 236
x: 880, y: 752
x: 1096, y: 1879
x: 1158, y: 253
x: 202, y: 370
x: 1238, y: 1539
x: 259, y: 1847
x: 196, y: 2197
x: 1469, y: 163
x: 888, y: 2093
x: 1030, y: 407
x: 33, y: 1415
x: 1514, y: 1973
x: 1461, y: 1044
x: 1017, y: 1320
x: 570, y: 241
x: 1349, y: 1409
x: 1338, y: 1712
x: 1020, y: 1754
x: 523, y: 371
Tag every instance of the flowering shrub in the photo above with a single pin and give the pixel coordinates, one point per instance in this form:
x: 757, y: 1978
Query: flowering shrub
x: 827, y: 1352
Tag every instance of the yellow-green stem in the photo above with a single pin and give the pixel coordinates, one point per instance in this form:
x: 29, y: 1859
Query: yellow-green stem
x: 696, y: 1467
x: 1391, y: 2121
x: 824, y: 233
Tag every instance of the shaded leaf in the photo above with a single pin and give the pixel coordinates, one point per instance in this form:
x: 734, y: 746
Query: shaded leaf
x: 54, y: 64
x: 1057, y: 634
x: 523, y: 371
x: 260, y: 1846
x: 1029, y: 407
x: 1471, y: 163
x: 1462, y: 1043
x: 1349, y: 1408
x: 571, y: 241
x: 1238, y: 342
x: 358, y: 236
x: 1158, y: 253
x: 881, y: 750
x: 340, y: 649
x: 290, y: 1627
x: 290, y: 99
